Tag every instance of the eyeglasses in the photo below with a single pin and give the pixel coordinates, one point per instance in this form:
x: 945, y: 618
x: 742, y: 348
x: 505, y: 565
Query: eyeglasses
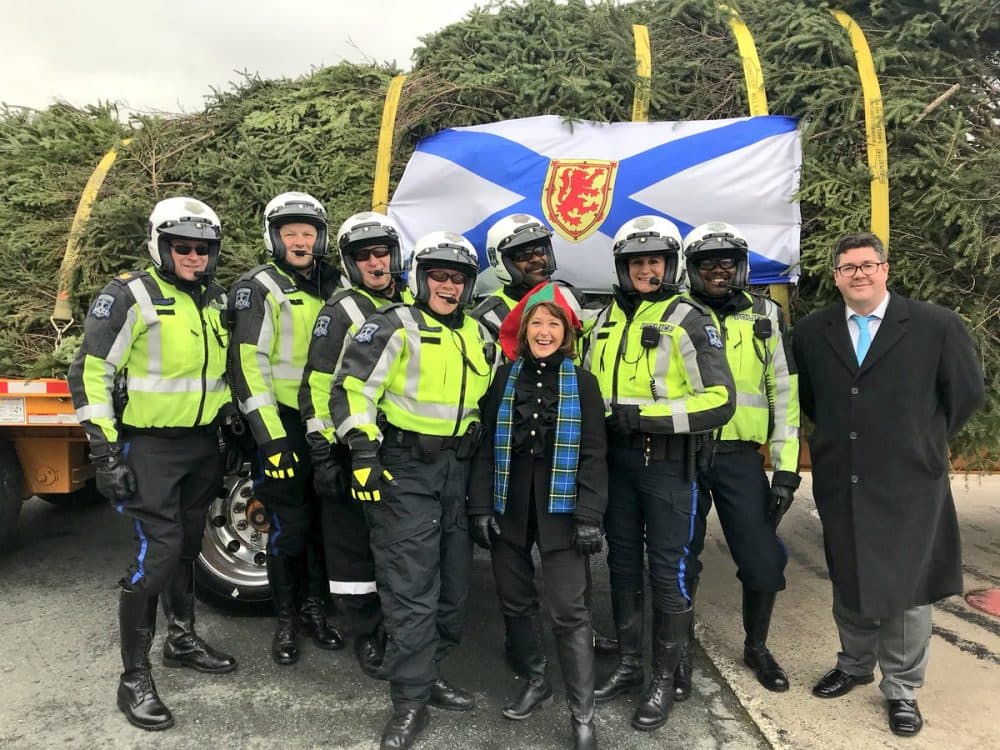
x: 851, y: 269
x: 365, y: 254
x: 188, y: 249
x: 440, y: 275
x: 526, y: 254
x: 710, y: 264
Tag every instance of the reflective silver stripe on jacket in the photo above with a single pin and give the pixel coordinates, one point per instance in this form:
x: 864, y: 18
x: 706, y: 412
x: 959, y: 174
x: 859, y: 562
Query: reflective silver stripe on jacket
x: 284, y: 367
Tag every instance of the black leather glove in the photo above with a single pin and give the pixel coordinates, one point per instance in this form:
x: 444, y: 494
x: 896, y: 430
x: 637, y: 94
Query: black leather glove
x: 587, y: 537
x: 367, y: 474
x: 328, y: 476
x: 279, y: 460
x: 115, y: 480
x: 623, y: 420
x: 783, y: 486
x: 481, y: 527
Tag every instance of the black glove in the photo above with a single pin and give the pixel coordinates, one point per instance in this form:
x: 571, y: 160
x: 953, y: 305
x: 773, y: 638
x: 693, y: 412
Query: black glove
x: 587, y: 537
x: 623, y: 420
x: 328, y: 476
x: 482, y: 525
x: 279, y: 460
x: 236, y: 442
x: 114, y: 478
x: 367, y: 474
x: 783, y: 486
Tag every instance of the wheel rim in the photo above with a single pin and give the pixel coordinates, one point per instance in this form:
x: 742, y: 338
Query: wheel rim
x: 233, y: 550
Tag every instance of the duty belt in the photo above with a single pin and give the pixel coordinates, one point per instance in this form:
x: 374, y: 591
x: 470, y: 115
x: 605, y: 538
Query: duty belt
x: 426, y: 448
x: 654, y: 447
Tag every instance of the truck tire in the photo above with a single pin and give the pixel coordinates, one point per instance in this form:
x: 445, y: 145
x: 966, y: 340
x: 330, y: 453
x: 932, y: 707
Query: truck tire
x: 84, y: 497
x: 231, y: 571
x: 11, y: 493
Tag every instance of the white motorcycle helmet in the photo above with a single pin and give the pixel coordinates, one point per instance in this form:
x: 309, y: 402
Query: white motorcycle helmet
x: 648, y: 235
x: 716, y: 239
x: 182, y: 218
x: 512, y: 234
x: 442, y: 250
x: 294, y: 207
x: 365, y: 229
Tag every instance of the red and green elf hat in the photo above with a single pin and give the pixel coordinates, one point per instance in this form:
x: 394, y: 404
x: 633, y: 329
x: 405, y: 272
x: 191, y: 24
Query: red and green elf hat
x: 547, y: 291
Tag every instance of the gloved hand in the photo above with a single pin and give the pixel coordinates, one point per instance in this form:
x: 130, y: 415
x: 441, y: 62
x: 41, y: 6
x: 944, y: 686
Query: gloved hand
x: 480, y: 528
x: 328, y: 476
x: 367, y: 474
x: 783, y: 486
x: 587, y: 537
x: 115, y: 480
x: 623, y: 420
x: 236, y: 443
x: 278, y: 459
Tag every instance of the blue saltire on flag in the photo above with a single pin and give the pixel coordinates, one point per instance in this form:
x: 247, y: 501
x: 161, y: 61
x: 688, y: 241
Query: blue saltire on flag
x: 586, y: 179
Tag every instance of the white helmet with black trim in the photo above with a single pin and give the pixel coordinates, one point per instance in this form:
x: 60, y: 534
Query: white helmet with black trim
x: 366, y: 229
x: 511, y: 235
x: 648, y: 235
x: 294, y: 207
x: 182, y: 218
x: 716, y: 239
x: 442, y: 250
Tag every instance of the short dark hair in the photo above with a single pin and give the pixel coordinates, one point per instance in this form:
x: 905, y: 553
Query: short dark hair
x: 856, y: 240
x: 568, y: 346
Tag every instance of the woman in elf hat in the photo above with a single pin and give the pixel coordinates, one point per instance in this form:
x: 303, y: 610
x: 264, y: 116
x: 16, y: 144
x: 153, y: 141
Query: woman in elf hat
x: 540, y: 478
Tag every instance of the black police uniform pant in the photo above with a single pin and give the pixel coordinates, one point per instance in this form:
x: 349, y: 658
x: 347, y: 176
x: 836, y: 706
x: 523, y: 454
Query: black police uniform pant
x: 294, y: 509
x: 655, y: 504
x: 177, y: 478
x: 423, y: 561
x: 738, y: 486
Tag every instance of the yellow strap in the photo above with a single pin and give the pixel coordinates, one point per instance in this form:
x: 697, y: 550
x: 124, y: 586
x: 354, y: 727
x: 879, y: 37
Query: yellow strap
x: 380, y: 189
x: 63, y: 312
x: 644, y: 70
x: 878, y: 153
x: 752, y: 73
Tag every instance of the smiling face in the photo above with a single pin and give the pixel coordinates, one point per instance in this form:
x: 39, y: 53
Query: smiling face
x: 298, y: 238
x: 373, y: 262
x: 717, y: 274
x: 533, y: 262
x: 445, y: 286
x: 643, y: 268
x: 544, y: 332
x: 190, y: 258
x: 862, y: 292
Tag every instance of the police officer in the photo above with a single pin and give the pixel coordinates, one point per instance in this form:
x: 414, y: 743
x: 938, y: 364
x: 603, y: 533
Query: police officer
x: 406, y: 402
x: 371, y: 257
x: 519, y: 248
x: 767, y: 411
x: 273, y: 308
x: 663, y: 373
x: 159, y: 336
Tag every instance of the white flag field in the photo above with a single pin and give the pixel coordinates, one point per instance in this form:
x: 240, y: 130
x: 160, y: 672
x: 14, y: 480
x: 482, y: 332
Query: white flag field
x: 586, y: 179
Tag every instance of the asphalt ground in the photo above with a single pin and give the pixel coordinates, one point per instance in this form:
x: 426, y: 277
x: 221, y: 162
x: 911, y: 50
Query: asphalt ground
x: 59, y: 666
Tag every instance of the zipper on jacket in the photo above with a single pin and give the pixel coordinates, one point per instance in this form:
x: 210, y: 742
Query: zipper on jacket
x: 204, y: 366
x: 461, y: 392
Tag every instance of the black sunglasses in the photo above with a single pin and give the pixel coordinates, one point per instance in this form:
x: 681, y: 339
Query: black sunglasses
x: 538, y: 251
x: 188, y: 249
x: 379, y: 252
x: 710, y: 264
x: 440, y: 275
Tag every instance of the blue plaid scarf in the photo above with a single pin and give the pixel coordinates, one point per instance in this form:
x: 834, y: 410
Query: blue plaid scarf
x: 566, y: 458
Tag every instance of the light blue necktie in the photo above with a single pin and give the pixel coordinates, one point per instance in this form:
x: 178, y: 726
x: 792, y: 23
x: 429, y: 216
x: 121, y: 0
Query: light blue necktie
x: 864, y: 335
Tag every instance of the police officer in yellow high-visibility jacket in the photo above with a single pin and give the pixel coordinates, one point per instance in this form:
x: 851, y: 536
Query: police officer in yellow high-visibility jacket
x: 659, y: 360
x: 406, y: 401
x: 767, y: 412
x: 273, y: 308
x: 371, y: 256
x: 159, y: 336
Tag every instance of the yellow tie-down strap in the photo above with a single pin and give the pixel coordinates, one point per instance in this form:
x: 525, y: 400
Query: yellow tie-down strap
x: 644, y: 71
x: 383, y: 159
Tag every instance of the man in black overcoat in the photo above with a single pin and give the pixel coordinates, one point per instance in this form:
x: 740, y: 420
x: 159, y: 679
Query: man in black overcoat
x: 880, y: 468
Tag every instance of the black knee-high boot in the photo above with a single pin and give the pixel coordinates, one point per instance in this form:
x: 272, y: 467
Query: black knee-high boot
x: 137, y: 696
x: 757, y: 608
x: 183, y: 647
x: 576, y: 659
x: 627, y: 607
x: 670, y: 630
x: 526, y: 650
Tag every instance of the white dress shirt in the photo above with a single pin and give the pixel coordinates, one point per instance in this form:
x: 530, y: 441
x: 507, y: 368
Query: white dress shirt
x: 874, y: 321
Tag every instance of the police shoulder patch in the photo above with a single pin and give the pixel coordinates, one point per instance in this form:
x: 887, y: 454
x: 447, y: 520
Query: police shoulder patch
x: 714, y: 337
x: 102, y: 306
x: 241, y: 300
x: 322, y: 327
x: 366, y: 333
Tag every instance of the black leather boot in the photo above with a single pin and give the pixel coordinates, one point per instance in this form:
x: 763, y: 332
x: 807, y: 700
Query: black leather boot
x: 685, y: 667
x: 603, y: 644
x: 285, y: 644
x: 370, y: 650
x: 137, y: 697
x: 576, y: 659
x: 757, y: 608
x: 183, y: 647
x: 670, y: 630
x: 627, y: 608
x: 312, y: 614
x: 528, y: 651
x: 403, y: 727
x: 520, y: 635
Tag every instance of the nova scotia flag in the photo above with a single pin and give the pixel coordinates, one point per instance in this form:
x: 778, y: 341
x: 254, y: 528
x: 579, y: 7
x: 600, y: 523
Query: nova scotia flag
x: 586, y: 179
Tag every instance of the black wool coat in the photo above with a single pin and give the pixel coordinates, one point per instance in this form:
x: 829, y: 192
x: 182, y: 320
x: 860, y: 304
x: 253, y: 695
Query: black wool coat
x: 880, y: 450
x: 533, y: 473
